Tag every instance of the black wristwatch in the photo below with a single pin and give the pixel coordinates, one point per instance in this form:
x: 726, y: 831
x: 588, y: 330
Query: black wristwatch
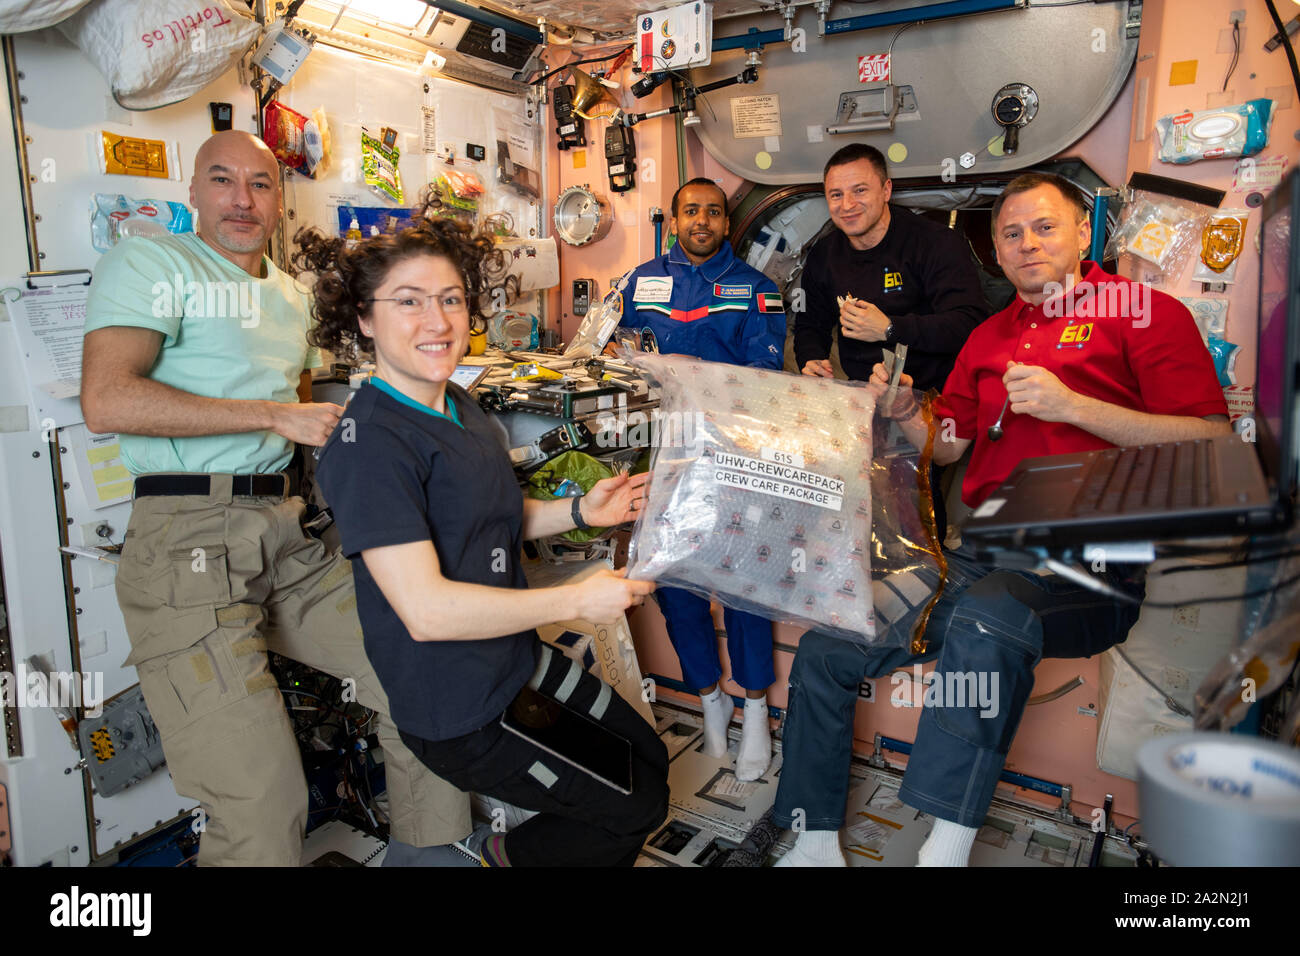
x: 577, y: 515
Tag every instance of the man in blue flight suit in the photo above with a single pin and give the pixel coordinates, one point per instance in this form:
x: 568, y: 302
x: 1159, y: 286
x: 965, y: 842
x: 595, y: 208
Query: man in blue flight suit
x: 700, y: 300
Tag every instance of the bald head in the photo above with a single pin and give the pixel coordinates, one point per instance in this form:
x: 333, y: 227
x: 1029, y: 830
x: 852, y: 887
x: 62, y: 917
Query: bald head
x: 234, y: 146
x: 236, y: 192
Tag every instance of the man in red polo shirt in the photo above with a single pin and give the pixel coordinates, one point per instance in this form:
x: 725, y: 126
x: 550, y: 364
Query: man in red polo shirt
x: 1081, y: 359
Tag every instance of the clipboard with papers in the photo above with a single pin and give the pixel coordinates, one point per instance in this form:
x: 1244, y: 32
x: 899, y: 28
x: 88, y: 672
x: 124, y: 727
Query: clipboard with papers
x: 47, y: 311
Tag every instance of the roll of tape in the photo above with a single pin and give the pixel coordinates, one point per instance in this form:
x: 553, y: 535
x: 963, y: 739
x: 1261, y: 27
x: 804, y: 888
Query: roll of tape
x: 1220, y: 800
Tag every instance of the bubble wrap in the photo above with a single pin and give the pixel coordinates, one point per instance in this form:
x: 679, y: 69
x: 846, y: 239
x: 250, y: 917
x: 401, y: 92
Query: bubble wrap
x: 760, y: 494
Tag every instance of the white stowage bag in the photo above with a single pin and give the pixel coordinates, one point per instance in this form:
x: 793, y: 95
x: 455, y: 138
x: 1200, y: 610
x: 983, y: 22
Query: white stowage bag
x: 23, y: 16
x: 158, y: 52
x: 760, y: 493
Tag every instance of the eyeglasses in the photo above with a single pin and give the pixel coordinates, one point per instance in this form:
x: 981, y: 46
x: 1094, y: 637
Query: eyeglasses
x: 413, y: 305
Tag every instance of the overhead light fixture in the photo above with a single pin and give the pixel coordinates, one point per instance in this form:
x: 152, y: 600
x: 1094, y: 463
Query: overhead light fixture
x: 403, y: 14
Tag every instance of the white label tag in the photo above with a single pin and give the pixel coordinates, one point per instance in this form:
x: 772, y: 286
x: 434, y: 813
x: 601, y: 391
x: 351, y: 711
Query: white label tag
x: 989, y: 508
x: 784, y: 481
x: 781, y: 457
x: 653, y: 289
x: 866, y: 831
x: 617, y: 168
x: 568, y: 128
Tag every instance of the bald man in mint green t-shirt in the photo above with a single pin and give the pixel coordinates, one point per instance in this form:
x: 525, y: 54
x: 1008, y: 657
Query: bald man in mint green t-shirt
x: 196, y: 355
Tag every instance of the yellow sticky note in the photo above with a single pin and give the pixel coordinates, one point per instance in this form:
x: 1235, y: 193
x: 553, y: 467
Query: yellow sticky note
x: 1182, y: 73
x: 116, y: 490
x: 104, y: 453
x: 112, y: 473
x: 579, y: 159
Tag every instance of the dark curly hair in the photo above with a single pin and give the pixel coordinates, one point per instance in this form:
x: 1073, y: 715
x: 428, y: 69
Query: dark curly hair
x: 346, y: 278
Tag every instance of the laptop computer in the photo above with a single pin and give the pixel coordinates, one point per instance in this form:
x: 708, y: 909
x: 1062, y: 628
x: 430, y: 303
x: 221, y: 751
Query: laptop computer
x: 1205, y: 488
x: 468, y: 376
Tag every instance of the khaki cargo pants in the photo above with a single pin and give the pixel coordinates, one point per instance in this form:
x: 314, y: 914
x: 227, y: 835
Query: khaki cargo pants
x: 207, y: 584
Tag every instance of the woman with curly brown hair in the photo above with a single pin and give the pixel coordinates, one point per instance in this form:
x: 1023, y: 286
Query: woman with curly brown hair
x: 433, y: 521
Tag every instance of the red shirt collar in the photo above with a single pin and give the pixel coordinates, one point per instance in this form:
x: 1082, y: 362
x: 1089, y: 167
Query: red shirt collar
x: 1092, y: 275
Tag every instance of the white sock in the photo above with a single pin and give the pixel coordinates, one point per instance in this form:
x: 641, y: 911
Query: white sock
x: 947, y: 845
x: 718, y: 708
x: 815, y: 848
x: 755, y: 741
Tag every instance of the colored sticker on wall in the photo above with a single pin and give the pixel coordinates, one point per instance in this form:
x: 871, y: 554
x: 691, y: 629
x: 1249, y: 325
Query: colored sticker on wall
x: 897, y: 152
x: 579, y: 159
x: 1182, y: 73
x: 763, y: 160
x: 873, y: 68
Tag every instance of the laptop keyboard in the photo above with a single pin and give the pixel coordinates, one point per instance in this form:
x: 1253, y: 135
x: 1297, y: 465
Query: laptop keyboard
x: 1121, y: 480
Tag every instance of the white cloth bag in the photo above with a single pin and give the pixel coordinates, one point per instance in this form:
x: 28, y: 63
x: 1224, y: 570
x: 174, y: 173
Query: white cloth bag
x: 157, y: 52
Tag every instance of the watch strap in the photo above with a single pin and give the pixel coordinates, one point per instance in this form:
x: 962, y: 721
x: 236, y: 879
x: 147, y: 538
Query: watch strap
x: 577, y: 515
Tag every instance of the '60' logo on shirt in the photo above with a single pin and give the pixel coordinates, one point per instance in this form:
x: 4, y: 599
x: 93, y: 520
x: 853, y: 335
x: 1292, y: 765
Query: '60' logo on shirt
x: 1075, y: 335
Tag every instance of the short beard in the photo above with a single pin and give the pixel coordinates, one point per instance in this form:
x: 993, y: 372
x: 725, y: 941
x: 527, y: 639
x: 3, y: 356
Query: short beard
x: 707, y: 253
x: 238, y: 244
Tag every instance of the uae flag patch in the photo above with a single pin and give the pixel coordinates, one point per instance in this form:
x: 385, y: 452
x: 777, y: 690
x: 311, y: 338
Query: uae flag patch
x: 770, y: 302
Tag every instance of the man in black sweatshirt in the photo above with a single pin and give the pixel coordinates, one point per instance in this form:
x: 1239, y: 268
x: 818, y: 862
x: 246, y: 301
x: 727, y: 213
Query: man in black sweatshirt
x: 905, y: 280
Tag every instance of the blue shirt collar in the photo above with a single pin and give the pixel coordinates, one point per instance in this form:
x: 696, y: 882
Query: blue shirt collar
x: 713, y: 269
x: 453, y: 416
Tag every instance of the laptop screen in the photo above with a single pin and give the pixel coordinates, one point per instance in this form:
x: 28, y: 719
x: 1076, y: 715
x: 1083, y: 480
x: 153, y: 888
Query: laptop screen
x: 1276, y: 354
x: 467, y: 376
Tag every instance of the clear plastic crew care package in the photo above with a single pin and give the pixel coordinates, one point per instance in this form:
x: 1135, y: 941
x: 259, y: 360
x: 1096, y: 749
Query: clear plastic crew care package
x: 782, y: 495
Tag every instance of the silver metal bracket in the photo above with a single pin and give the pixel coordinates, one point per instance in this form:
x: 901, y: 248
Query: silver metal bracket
x: 1133, y: 22
x: 863, y: 111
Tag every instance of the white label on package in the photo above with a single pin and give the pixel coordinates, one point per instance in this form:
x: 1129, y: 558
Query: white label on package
x: 429, y: 130
x: 653, y: 289
x: 769, y: 478
x: 754, y: 117
x: 781, y: 457
x: 990, y: 508
x: 607, y: 328
x: 617, y: 168
x: 1264, y: 174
